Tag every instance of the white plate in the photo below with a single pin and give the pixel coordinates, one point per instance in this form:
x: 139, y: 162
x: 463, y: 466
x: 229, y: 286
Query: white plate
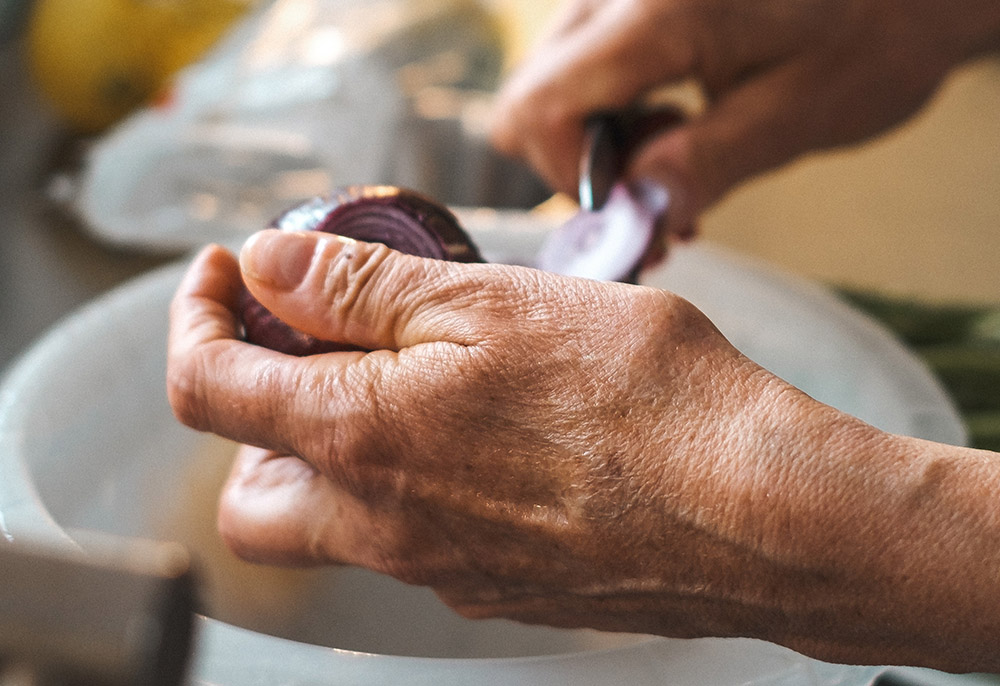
x: 87, y: 441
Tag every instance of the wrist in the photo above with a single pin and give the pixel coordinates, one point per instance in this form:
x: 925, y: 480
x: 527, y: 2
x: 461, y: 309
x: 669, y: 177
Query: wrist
x: 879, y: 548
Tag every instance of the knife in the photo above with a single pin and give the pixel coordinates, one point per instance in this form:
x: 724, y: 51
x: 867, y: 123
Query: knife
x: 610, y: 235
x: 610, y: 139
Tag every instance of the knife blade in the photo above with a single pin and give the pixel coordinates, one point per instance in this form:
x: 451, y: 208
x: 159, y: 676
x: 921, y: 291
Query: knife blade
x: 610, y: 235
x: 610, y: 139
x: 600, y: 163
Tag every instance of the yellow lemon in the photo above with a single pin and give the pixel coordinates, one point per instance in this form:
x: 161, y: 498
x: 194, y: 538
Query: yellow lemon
x: 97, y: 60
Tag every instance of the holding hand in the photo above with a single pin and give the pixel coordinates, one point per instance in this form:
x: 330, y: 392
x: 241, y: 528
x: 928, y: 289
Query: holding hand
x: 574, y: 453
x: 781, y: 78
x: 527, y: 445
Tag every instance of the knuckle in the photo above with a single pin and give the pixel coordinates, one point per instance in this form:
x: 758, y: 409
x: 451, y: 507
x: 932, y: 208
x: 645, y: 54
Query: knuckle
x: 185, y: 384
x: 353, y: 270
x: 379, y: 394
x: 414, y: 559
x: 357, y: 440
x: 666, y: 311
x: 431, y: 570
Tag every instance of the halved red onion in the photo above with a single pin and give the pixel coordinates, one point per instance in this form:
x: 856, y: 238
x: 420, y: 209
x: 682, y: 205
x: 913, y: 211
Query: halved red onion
x: 611, y: 243
x: 399, y: 218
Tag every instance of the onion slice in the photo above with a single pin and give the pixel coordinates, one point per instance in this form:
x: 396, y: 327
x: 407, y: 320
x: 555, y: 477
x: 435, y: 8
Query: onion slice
x: 611, y: 243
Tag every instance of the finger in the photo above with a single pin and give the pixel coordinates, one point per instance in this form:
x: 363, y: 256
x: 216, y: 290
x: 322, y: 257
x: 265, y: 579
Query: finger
x: 761, y: 125
x: 212, y: 282
x: 277, y: 509
x: 828, y: 98
x: 250, y: 394
x: 363, y: 293
x: 605, y: 62
x: 567, y: 17
x: 618, y: 54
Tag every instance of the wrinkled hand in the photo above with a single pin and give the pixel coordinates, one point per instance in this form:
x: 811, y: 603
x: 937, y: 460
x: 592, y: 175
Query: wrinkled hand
x: 576, y: 453
x: 531, y: 446
x: 782, y: 78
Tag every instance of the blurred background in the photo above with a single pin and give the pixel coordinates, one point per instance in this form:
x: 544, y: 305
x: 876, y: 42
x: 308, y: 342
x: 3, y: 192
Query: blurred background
x: 132, y: 131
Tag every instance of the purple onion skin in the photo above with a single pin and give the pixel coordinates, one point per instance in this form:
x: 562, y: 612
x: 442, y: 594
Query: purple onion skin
x: 402, y: 219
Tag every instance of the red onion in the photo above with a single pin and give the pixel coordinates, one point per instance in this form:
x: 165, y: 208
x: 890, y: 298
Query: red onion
x: 401, y: 219
x: 611, y: 243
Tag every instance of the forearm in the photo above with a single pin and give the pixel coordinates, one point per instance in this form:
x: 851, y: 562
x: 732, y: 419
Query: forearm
x: 872, y: 547
x: 938, y: 565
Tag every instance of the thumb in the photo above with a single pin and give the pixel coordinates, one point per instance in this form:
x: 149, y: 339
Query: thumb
x: 365, y: 294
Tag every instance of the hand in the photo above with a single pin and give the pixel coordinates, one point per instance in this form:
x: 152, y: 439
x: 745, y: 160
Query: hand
x: 782, y: 78
x: 530, y: 446
x: 576, y: 453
